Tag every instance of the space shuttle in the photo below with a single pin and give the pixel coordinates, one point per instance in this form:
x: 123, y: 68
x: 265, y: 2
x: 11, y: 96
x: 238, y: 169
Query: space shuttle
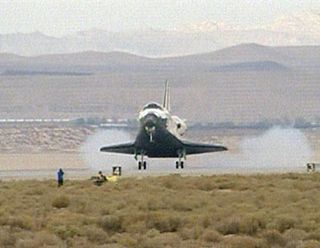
x: 160, y: 135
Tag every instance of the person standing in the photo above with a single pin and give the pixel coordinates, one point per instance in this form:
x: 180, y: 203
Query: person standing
x: 60, y: 175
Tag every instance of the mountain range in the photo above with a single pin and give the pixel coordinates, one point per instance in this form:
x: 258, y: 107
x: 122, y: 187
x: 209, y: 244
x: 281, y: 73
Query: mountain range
x: 241, y: 57
x: 300, y: 29
x: 242, y: 83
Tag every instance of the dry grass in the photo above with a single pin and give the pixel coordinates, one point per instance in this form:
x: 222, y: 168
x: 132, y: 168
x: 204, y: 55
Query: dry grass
x: 216, y: 211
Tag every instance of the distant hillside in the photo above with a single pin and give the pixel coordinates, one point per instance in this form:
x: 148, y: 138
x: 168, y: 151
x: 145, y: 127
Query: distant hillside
x: 289, y: 56
x: 242, y: 84
x: 250, y: 66
x: 244, y: 57
x: 89, y: 58
x: 42, y: 73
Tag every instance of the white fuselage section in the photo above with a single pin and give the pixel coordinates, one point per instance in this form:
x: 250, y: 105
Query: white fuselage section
x: 174, y: 124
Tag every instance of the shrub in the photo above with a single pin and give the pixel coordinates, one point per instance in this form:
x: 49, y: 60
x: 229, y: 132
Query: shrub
x: 23, y: 222
x: 95, y: 235
x: 123, y: 239
x: 310, y: 244
x: 155, y: 203
x: 152, y: 233
x: 226, y: 185
x: 160, y: 241
x: 7, y: 238
x: 232, y: 241
x: 284, y: 223
x: 66, y: 232
x: 181, y: 204
x: 229, y: 226
x: 206, y: 184
x: 174, y: 182
x: 191, y: 233
x: 61, y: 202
x: 211, y: 235
x: 205, y: 220
x: 111, y: 223
x: 314, y: 235
x: 41, y: 239
x: 234, y: 225
x: 273, y: 237
x: 295, y: 234
x: 44, y: 238
x: 164, y: 222
x: 250, y: 225
x: 137, y: 226
x: 80, y: 242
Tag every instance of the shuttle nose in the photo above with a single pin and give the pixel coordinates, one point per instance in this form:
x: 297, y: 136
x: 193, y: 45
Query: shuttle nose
x: 150, y: 121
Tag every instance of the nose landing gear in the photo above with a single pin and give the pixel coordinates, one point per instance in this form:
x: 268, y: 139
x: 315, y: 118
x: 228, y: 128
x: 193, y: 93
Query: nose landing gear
x: 150, y: 131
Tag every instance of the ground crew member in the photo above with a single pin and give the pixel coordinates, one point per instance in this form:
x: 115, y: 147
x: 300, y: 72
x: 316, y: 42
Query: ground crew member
x: 60, y: 174
x: 100, y: 179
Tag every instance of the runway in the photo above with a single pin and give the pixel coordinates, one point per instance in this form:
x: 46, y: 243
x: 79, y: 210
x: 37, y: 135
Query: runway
x: 272, y: 151
x: 195, y: 166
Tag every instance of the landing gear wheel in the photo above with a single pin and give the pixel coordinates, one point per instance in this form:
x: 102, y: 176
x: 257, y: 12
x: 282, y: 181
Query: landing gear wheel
x: 139, y: 165
x: 144, y: 165
x: 177, y: 164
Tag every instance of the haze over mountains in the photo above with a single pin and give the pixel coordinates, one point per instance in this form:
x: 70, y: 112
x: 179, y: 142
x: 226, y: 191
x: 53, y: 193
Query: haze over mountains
x: 242, y: 57
x: 242, y: 83
x: 298, y: 29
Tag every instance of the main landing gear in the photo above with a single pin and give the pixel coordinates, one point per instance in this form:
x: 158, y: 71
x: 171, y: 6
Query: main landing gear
x: 142, y: 164
x: 180, y: 162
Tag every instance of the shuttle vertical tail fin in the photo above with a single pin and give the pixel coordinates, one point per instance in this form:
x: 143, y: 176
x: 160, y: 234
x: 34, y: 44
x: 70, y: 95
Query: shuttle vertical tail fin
x: 166, y: 99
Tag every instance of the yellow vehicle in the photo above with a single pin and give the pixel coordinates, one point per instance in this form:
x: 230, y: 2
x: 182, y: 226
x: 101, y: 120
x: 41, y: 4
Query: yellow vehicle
x: 116, y: 173
x: 100, y: 179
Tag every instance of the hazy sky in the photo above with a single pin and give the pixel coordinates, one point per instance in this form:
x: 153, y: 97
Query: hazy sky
x: 57, y: 17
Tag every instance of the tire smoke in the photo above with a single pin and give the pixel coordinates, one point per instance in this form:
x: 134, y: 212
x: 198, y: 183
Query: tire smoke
x: 277, y: 147
x: 276, y: 150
